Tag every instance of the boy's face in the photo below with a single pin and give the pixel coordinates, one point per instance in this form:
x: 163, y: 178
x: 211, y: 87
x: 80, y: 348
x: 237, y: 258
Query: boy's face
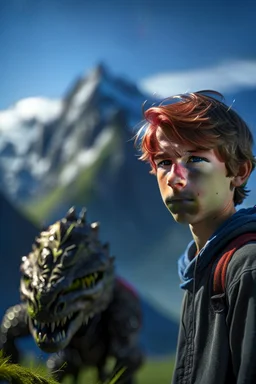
x: 193, y: 183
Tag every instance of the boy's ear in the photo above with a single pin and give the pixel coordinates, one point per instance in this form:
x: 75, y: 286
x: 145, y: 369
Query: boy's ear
x: 243, y: 173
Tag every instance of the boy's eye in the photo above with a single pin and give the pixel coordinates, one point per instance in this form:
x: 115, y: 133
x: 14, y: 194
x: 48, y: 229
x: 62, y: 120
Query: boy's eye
x: 163, y: 163
x: 191, y: 160
x: 196, y: 159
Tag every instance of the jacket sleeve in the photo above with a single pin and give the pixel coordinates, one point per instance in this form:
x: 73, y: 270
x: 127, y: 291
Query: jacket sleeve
x: 241, y: 320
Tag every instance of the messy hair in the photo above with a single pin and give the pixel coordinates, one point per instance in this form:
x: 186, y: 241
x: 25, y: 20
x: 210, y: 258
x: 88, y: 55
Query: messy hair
x: 201, y: 120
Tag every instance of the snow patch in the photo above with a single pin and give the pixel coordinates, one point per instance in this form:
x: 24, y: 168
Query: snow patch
x: 86, y: 157
x: 41, y: 109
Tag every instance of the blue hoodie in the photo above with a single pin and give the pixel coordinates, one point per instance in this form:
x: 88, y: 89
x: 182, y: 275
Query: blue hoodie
x: 238, y: 223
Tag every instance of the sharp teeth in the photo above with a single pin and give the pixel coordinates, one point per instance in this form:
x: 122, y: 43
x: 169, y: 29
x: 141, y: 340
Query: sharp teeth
x: 53, y: 326
x: 58, y: 323
x: 86, y: 319
x: 64, y: 321
x: 35, y: 322
x: 63, y: 334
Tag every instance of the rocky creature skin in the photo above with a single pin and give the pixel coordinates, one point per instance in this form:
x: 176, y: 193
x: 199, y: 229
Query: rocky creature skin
x: 74, y: 305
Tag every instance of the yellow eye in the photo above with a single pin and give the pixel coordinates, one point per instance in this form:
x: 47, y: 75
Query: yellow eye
x: 75, y: 285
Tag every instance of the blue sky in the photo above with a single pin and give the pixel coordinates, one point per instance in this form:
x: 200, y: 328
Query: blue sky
x: 46, y: 44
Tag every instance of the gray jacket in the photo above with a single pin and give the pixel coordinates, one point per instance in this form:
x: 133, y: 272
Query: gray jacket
x: 217, y: 338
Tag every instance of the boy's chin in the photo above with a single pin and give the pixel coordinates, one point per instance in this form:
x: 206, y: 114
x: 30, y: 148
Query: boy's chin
x: 182, y: 219
x: 185, y: 218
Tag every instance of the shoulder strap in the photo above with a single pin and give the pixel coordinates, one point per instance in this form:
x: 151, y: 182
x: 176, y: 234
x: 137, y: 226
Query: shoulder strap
x: 127, y: 286
x: 220, y: 271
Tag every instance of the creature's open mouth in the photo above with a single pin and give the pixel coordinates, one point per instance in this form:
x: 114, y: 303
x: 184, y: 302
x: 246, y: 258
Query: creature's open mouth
x: 51, y: 336
x: 53, y: 332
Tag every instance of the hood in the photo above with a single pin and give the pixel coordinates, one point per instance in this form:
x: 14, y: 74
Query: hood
x: 242, y: 221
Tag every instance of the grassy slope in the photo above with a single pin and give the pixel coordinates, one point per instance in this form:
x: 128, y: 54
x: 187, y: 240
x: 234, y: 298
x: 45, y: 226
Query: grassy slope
x: 33, y: 373
x: 153, y: 372
x: 19, y: 374
x: 80, y: 191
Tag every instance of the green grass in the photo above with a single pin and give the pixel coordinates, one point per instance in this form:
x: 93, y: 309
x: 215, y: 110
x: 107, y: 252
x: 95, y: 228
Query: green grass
x: 156, y: 371
x: 17, y: 374
x: 152, y: 372
x: 34, y: 372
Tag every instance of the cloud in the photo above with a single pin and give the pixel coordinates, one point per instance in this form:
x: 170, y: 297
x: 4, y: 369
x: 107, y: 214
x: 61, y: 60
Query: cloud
x: 225, y: 77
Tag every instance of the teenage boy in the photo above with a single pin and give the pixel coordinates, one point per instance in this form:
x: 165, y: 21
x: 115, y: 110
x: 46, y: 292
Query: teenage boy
x: 201, y: 153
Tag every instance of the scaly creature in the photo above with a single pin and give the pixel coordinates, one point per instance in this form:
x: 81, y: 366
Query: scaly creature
x: 73, y: 304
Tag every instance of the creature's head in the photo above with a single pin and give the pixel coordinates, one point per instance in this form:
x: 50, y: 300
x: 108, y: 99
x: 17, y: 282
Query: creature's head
x: 66, y: 279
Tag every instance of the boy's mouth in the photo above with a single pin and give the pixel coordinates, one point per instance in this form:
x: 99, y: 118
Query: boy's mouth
x: 179, y: 200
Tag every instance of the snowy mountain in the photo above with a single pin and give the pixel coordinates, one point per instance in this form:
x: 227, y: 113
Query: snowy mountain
x: 45, y: 143
x: 21, y: 130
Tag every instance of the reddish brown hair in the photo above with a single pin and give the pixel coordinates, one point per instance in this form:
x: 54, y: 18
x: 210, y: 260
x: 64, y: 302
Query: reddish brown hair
x: 201, y: 120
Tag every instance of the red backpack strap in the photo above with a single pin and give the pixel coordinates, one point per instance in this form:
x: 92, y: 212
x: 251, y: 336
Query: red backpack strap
x: 121, y: 281
x: 222, y: 265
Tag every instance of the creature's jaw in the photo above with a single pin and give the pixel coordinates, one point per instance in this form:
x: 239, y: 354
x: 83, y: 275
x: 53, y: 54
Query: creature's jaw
x: 56, y: 335
x: 53, y: 334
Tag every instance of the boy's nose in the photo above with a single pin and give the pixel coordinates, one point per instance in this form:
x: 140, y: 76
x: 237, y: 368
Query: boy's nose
x: 177, y: 176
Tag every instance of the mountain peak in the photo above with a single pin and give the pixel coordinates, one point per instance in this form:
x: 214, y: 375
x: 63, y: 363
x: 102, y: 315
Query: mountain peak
x: 101, y: 70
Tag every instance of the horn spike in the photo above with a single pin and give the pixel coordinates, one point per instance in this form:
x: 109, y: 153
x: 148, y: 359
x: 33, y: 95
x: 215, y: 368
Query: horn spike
x: 106, y: 246
x: 82, y: 216
x: 71, y: 214
x: 95, y: 228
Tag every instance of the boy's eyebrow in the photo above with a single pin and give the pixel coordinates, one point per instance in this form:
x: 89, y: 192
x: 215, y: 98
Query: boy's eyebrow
x: 160, y: 155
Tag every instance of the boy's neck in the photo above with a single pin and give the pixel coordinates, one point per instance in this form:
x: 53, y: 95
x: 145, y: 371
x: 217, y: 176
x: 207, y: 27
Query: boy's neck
x: 203, y: 230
